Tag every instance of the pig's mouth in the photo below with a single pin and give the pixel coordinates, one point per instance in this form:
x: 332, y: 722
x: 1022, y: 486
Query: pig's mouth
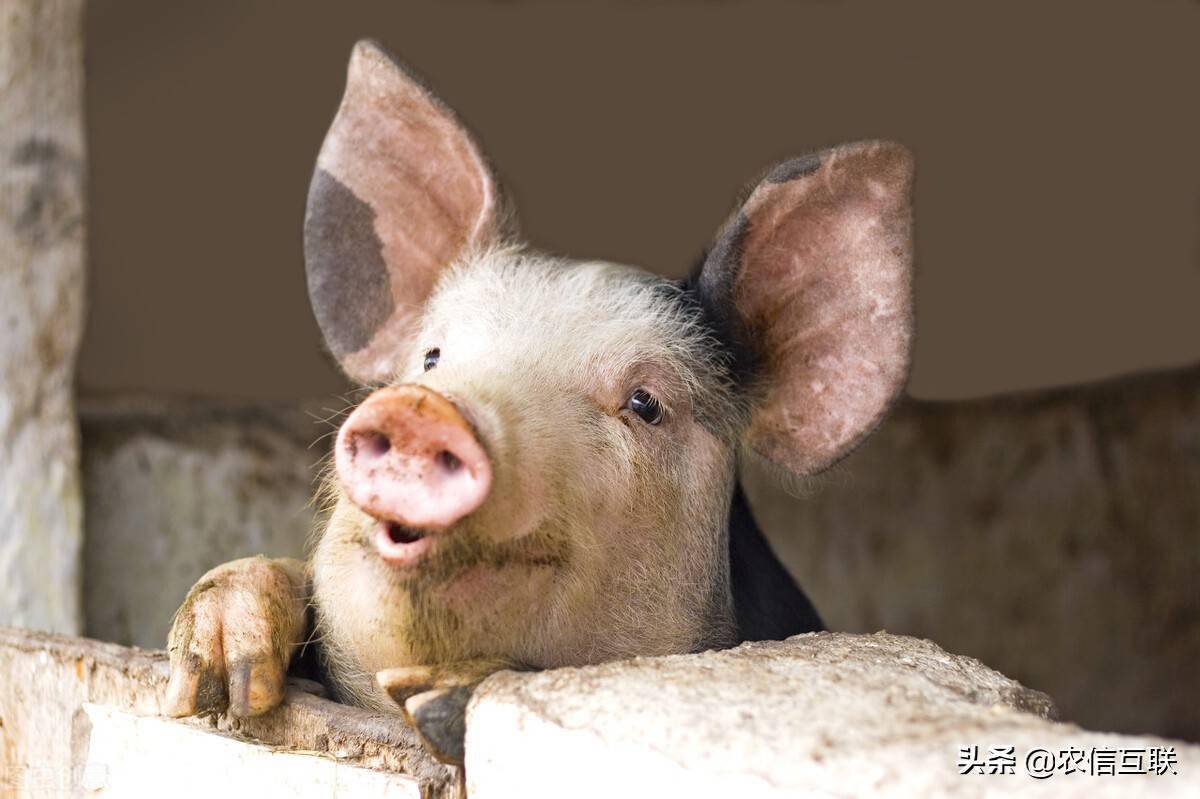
x: 433, y: 558
x: 401, y: 545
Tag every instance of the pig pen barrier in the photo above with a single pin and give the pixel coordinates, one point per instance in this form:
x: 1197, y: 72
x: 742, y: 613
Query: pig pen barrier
x: 830, y: 714
x: 1057, y: 494
x: 1052, y: 535
x: 826, y: 714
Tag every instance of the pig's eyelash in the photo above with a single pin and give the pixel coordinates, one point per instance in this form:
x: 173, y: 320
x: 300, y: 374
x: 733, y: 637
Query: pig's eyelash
x: 664, y: 395
x: 646, y: 406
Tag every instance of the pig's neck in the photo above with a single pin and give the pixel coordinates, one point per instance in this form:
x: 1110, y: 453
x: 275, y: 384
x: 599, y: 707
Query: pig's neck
x: 768, y: 605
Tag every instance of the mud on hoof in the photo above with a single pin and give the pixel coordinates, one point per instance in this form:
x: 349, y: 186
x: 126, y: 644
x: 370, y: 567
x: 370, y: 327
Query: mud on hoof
x: 440, y: 719
x: 434, y: 700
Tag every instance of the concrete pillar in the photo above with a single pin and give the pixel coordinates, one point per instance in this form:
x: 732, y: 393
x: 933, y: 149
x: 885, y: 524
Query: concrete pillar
x: 41, y: 310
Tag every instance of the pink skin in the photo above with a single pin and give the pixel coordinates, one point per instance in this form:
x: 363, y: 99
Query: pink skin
x: 407, y: 457
x: 403, y: 554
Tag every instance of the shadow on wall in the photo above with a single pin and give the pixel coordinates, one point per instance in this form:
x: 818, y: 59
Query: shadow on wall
x: 1053, y: 536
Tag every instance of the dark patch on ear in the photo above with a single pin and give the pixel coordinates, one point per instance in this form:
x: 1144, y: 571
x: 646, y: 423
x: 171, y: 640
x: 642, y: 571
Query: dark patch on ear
x: 795, y: 168
x: 710, y: 289
x: 767, y: 603
x: 347, y: 276
x: 711, y: 283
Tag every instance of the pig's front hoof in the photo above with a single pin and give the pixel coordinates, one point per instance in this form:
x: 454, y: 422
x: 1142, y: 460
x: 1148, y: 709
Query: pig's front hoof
x: 434, y: 700
x: 232, y: 638
x: 440, y: 718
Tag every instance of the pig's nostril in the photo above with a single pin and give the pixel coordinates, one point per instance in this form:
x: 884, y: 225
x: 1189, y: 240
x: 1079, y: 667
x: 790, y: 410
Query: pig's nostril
x: 449, y: 461
x: 372, y: 445
x: 408, y: 456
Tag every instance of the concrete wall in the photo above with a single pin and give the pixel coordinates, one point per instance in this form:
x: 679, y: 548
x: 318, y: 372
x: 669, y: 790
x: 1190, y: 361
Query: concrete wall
x: 824, y: 715
x: 1055, y: 535
x: 41, y: 310
x: 81, y: 718
x: 172, y: 489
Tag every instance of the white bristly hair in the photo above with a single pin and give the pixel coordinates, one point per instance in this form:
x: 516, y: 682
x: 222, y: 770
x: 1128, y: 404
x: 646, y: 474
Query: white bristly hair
x: 603, y: 536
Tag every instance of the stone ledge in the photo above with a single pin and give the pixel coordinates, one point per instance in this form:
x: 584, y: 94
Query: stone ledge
x: 827, y: 714
x: 55, y: 689
x: 1065, y: 518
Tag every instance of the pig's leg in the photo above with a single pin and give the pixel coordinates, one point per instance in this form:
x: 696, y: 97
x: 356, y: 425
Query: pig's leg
x: 435, y: 699
x: 233, y: 637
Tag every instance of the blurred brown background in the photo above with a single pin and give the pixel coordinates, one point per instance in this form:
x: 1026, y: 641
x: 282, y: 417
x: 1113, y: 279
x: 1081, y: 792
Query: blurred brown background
x: 1057, y: 204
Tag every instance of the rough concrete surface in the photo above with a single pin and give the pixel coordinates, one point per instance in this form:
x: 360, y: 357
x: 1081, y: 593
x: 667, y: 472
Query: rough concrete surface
x: 826, y: 714
x: 1055, y: 536
x: 45, y: 729
x: 173, y: 489
x: 41, y: 310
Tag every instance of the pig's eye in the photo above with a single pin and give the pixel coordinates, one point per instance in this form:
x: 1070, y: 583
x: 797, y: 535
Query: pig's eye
x: 432, y: 357
x: 643, y: 403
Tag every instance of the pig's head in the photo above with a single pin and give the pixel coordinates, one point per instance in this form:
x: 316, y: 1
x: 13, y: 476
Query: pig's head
x: 544, y: 473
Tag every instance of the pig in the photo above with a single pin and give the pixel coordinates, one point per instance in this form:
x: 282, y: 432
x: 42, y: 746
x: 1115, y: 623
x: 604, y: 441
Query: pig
x: 545, y: 472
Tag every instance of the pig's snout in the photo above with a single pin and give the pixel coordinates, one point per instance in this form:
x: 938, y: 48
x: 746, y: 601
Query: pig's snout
x: 407, y: 455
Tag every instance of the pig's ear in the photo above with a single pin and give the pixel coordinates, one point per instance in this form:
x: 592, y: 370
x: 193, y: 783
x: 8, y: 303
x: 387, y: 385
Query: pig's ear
x: 811, y: 281
x: 400, y: 192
